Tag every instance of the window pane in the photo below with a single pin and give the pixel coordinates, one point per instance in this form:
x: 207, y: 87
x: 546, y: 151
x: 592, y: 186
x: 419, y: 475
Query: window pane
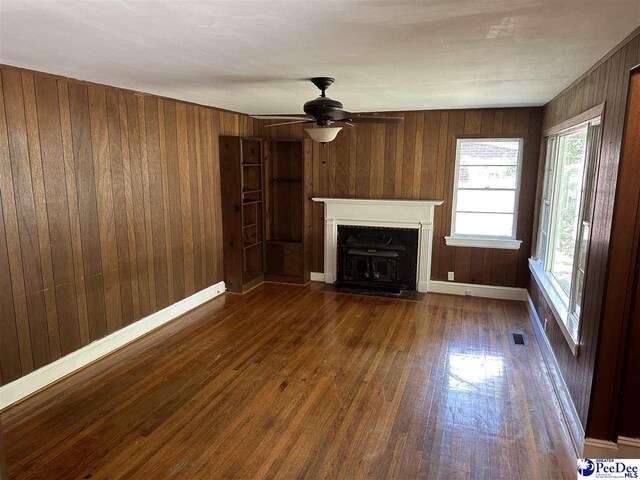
x: 499, y: 225
x: 470, y: 176
x: 486, y: 201
x: 489, y: 152
x: 567, y: 204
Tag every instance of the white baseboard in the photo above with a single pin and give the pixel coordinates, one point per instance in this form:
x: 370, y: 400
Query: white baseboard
x: 474, y: 290
x: 24, y: 386
x: 576, y: 431
x: 595, y: 448
x: 628, y: 447
x: 317, y: 276
x: 625, y: 448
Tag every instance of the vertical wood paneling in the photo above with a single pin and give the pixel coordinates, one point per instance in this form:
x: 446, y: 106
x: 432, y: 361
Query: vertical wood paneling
x: 86, y: 188
x: 607, y: 83
x: 14, y: 250
x: 128, y: 203
x: 66, y: 338
x: 157, y: 200
x: 144, y: 167
x: 137, y: 201
x: 72, y: 205
x: 185, y: 197
x: 42, y: 221
x: 175, y: 208
x: 9, y: 351
x: 415, y: 160
x: 109, y: 211
x: 26, y: 216
x: 106, y: 226
x: 165, y: 198
x: 119, y: 213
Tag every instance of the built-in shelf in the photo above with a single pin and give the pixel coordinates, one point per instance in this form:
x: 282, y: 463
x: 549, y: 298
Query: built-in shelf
x: 243, y: 233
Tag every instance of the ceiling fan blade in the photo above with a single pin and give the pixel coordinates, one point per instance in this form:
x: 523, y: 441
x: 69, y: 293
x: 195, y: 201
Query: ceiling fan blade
x: 336, y: 116
x: 356, y: 119
x: 290, y: 123
x: 281, y: 117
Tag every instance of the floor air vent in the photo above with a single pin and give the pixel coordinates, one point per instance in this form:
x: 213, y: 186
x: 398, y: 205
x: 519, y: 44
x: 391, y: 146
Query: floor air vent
x: 518, y: 338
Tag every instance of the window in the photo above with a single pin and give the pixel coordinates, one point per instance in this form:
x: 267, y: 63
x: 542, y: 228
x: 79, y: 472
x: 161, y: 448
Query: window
x: 565, y: 221
x: 485, y: 198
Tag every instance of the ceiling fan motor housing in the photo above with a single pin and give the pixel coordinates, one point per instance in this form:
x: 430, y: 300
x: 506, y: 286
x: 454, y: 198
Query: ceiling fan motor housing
x: 321, y: 108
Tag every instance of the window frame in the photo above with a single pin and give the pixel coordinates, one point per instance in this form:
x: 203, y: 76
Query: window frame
x: 566, y: 309
x: 487, y: 241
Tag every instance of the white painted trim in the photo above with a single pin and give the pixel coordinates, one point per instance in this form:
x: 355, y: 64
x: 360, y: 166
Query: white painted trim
x: 24, y: 386
x: 474, y: 290
x: 483, y: 242
x: 628, y: 447
x: 576, y: 431
x: 415, y: 214
x: 317, y: 276
x: 377, y: 201
x: 557, y: 306
x: 454, y: 202
x: 595, y: 448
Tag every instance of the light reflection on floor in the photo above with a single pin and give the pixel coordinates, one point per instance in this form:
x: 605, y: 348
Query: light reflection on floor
x: 477, y: 386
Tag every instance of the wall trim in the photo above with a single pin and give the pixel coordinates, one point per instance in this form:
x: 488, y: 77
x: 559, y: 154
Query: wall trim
x: 595, y: 448
x: 317, y: 276
x: 475, y: 290
x: 37, y: 380
x: 628, y: 447
x: 574, y: 425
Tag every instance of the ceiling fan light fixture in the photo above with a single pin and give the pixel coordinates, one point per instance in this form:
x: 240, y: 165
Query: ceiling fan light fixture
x: 323, y: 134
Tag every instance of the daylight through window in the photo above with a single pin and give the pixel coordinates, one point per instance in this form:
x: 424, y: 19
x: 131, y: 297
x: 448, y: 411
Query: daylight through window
x: 486, y: 187
x: 565, y: 216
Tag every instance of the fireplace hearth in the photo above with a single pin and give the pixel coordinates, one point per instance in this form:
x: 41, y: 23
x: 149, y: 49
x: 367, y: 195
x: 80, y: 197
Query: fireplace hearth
x: 377, y: 259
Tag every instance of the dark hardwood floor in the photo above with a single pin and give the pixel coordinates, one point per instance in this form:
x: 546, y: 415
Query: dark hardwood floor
x: 295, y: 382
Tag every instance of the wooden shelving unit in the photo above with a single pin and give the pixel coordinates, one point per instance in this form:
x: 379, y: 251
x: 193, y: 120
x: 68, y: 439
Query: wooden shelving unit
x: 287, y: 167
x: 242, y: 173
x: 266, y: 211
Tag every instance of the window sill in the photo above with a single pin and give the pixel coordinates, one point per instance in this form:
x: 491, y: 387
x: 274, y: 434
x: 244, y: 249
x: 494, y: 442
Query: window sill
x: 483, y: 242
x: 555, y: 302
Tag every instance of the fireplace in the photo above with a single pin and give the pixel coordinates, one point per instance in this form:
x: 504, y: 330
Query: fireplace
x: 377, y: 258
x: 397, y: 215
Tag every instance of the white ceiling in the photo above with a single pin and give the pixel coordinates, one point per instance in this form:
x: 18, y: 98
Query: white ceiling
x: 250, y: 56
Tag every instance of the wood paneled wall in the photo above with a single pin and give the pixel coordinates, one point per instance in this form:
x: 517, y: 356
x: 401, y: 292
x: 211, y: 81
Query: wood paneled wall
x: 608, y: 82
x: 109, y: 211
x: 416, y: 160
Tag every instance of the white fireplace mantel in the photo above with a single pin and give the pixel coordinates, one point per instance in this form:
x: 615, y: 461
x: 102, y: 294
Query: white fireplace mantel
x: 416, y: 214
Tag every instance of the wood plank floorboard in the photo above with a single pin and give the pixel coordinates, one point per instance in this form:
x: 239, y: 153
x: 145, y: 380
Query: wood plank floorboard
x: 296, y: 382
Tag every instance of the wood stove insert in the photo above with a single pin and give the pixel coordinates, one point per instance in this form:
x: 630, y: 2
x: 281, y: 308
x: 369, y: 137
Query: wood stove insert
x: 377, y: 259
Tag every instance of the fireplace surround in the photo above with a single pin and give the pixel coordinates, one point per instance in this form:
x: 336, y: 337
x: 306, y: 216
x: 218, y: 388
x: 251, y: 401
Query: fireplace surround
x: 415, y: 215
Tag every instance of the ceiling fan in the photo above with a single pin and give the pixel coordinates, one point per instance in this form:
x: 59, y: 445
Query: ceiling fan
x: 325, y: 112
